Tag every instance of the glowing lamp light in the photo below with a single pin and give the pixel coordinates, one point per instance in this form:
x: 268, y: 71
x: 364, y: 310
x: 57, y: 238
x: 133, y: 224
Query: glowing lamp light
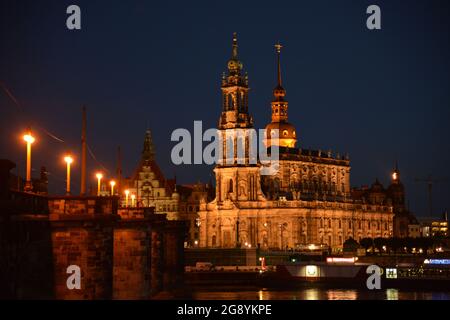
x: 68, y: 159
x: 99, y: 176
x: 112, y: 183
x: 127, y: 192
x: 394, y: 176
x: 133, y: 200
x: 28, y: 138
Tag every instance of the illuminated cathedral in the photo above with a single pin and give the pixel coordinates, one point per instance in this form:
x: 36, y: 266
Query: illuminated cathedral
x: 309, y: 201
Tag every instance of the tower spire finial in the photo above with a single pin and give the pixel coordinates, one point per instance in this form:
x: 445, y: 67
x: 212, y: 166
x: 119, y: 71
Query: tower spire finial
x: 278, y: 47
x: 234, y: 54
x: 148, y: 151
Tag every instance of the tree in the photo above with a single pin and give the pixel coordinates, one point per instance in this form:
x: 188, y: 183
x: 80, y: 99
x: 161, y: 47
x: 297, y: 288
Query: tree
x: 350, y: 245
x: 395, y: 244
x: 379, y: 243
x: 366, y: 243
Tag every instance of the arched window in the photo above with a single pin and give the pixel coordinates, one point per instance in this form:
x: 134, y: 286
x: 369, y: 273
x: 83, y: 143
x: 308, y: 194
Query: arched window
x: 213, y: 240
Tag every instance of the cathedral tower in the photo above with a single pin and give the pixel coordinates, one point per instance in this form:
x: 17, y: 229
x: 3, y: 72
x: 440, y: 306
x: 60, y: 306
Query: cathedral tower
x: 237, y: 177
x: 235, y: 94
x: 396, y: 191
x: 287, y: 136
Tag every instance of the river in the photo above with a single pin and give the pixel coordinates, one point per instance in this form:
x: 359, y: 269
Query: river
x: 246, y: 293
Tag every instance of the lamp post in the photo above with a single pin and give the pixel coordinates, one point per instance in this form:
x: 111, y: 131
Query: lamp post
x: 99, y: 176
x: 127, y: 192
x: 133, y: 200
x: 29, y: 139
x: 68, y: 159
x: 112, y: 183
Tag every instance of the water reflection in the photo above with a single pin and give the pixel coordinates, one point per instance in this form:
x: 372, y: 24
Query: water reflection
x: 239, y: 293
x: 392, y: 294
x: 342, y: 295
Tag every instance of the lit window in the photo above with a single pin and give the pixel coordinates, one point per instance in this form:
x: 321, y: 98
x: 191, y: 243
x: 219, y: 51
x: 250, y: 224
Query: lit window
x: 285, y: 133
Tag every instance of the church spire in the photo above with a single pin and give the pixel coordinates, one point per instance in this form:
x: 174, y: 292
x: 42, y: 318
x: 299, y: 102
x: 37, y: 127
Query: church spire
x: 279, y: 91
x: 234, y: 65
x: 235, y: 93
x: 234, y: 54
x: 396, y: 174
x: 278, y: 47
x: 148, y: 152
x: 287, y: 136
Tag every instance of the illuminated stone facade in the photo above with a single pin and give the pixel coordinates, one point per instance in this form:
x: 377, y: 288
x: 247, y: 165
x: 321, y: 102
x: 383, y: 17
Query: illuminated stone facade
x: 148, y: 187
x: 309, y: 201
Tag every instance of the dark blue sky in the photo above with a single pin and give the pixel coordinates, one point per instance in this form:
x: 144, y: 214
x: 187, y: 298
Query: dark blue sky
x: 381, y: 96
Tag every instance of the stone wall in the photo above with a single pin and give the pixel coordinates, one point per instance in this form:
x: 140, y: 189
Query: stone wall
x: 84, y: 238
x: 127, y: 253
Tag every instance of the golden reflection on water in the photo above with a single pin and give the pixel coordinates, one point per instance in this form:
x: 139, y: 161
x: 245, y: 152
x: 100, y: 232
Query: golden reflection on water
x: 342, y: 295
x: 312, y: 294
x: 316, y: 294
x: 391, y: 294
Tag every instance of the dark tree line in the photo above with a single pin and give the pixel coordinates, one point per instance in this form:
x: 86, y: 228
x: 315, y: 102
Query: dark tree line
x: 395, y: 244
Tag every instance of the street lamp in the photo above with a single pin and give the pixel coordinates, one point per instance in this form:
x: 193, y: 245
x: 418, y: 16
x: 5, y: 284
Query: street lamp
x: 68, y: 159
x: 99, y: 176
x: 112, y: 183
x: 29, y: 139
x: 133, y: 200
x: 127, y: 192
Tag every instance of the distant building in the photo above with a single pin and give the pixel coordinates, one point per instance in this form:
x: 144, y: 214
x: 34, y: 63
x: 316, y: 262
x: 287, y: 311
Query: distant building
x: 405, y: 223
x: 148, y: 187
x: 434, y: 227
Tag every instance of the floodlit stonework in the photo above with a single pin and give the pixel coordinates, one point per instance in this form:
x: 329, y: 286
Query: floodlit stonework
x: 308, y: 203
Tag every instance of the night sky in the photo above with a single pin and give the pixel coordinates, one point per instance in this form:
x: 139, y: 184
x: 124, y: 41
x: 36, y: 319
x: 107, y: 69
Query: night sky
x: 380, y: 95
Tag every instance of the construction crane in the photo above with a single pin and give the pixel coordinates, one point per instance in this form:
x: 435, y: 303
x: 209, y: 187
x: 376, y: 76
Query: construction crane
x: 430, y: 181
